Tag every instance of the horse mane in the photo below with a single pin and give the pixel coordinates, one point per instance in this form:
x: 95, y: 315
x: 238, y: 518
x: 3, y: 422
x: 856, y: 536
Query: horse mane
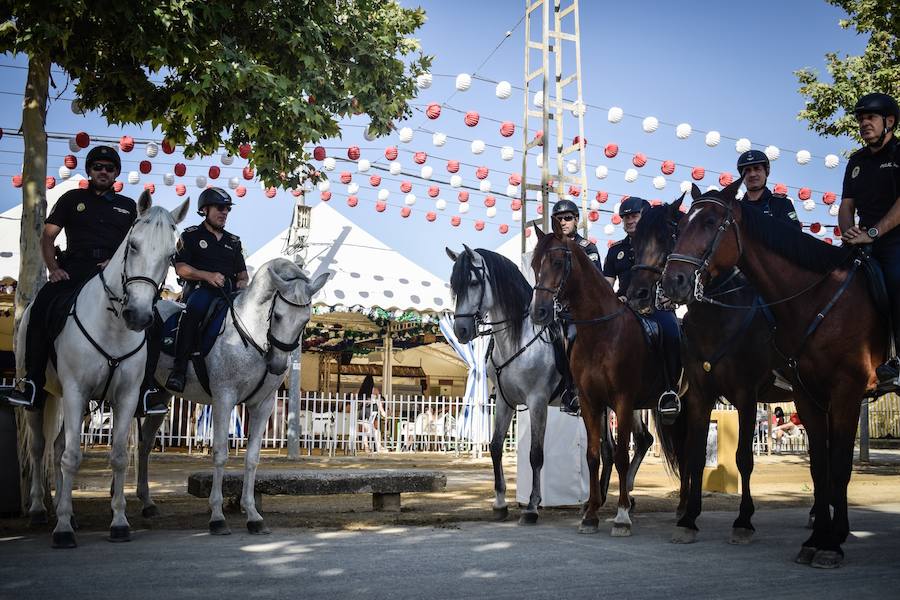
x: 654, y: 222
x: 512, y: 292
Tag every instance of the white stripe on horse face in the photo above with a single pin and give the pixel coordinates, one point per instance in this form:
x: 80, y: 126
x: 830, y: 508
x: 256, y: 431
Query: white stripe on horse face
x: 694, y: 214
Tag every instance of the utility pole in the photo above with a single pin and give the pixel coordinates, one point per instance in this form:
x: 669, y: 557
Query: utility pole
x: 296, y: 245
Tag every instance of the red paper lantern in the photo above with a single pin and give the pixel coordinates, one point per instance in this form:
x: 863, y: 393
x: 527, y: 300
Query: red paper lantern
x: 319, y: 153
x: 420, y: 157
x: 540, y: 209
x: 577, y: 140
x: 433, y: 191
x: 515, y: 179
x: 126, y: 143
x: 70, y: 161
x: 145, y: 166
x: 656, y: 203
x: 528, y: 232
x: 639, y: 159
x: 479, y: 225
x: 353, y: 152
x: 214, y: 172
x: 117, y: 185
x: 405, y: 212
x: 609, y: 244
x: 17, y: 181
x: 504, y: 228
x: 180, y: 169
x: 390, y: 153
x: 326, y: 196
x: 452, y: 166
x: 574, y: 190
x: 168, y: 147
x: 804, y: 193
x: 471, y: 118
x: 50, y: 182
x: 698, y: 173
x: 539, y: 137
x: 829, y: 198
x: 433, y: 111
x: 616, y: 219
x: 430, y: 216
x: 83, y: 184
x: 490, y: 201
x: 611, y: 150
x: 593, y: 240
x: 150, y: 187
x: 405, y: 187
x: 247, y: 172
x: 515, y: 204
x: 244, y: 150
x: 380, y: 206
x: 270, y: 192
x: 464, y: 196
x: 455, y: 220
x: 725, y: 178
x: 507, y: 128
x: 82, y: 139
x: 836, y: 231
x: 815, y: 227
x: 375, y: 180
x: 297, y: 192
x: 352, y: 201
x: 602, y: 197
x: 667, y: 167
x: 593, y: 216
x: 780, y: 188
x: 346, y: 177
x: 481, y: 172
x: 240, y: 191
x: 180, y: 190
x: 828, y: 240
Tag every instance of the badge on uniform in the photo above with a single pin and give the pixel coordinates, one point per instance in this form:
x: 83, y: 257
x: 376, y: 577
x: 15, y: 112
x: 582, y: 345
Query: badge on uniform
x: 620, y: 255
x: 80, y: 207
x: 203, y: 244
x: 854, y: 172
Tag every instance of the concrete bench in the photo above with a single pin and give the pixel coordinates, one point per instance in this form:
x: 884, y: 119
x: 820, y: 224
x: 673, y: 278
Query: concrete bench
x: 384, y: 485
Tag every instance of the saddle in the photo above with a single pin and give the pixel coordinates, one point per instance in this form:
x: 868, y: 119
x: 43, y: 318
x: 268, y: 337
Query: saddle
x: 58, y: 311
x: 211, y: 327
x: 877, y: 287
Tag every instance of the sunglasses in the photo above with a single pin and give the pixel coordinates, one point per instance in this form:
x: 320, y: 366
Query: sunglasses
x: 103, y: 167
x: 566, y: 218
x: 222, y: 207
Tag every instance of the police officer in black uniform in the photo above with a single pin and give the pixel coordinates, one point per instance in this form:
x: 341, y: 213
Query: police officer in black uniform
x: 753, y: 166
x: 95, y: 220
x: 566, y: 212
x: 872, y: 192
x: 617, y: 266
x: 211, y: 262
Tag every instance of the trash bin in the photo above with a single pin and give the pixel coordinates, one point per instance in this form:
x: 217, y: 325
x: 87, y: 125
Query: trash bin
x: 10, y: 499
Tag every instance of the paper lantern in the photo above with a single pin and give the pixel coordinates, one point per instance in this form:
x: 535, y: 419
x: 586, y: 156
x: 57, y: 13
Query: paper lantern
x: 780, y: 188
x: 539, y: 160
x: 77, y: 107
x: 380, y: 206
x: 538, y: 99
x: 395, y: 168
x: 602, y: 197
x: 831, y: 161
x: 578, y: 109
x: 809, y: 205
x: 319, y: 153
x: 485, y: 186
x: 180, y: 190
x: 477, y: 147
x: 491, y: 212
x: 433, y: 191
x: 507, y: 153
x: 405, y: 187
x: 233, y: 183
x: 440, y: 204
x: 226, y: 159
x: 352, y: 188
x: 471, y: 118
x: 152, y: 149
x: 515, y: 205
x: 463, y: 196
x: 828, y: 240
x: 247, y: 172
x: 667, y: 167
x: 430, y: 216
x: 572, y: 166
x: 577, y: 141
x: 455, y: 220
x: 168, y: 146
x: 804, y: 193
x: 410, y: 199
x: 698, y: 173
x: 601, y: 172
x: 615, y: 114
x: 270, y: 192
x: 433, y: 111
x: 117, y: 185
x: 829, y: 198
x: 214, y: 172
x: 515, y: 179
x: 836, y: 231
x: 201, y: 181
x: 539, y: 138
x: 405, y: 212
x: 326, y: 196
x: 390, y: 153
x: 463, y: 82
x: 503, y: 90
x: 352, y: 201
x: 145, y: 167
x: 297, y: 192
x: 423, y: 81
x: 713, y: 138
x: 169, y: 179
x: 659, y: 182
x: 725, y: 178
x: 244, y: 150
x: 383, y: 194
x: 616, y: 219
x: 712, y: 188
x: 503, y: 229
x: 50, y: 182
x: 507, y: 128
x: 517, y: 216
x: 405, y: 135
x: 574, y: 191
x: 631, y: 175
x: 479, y: 225
x: 150, y: 187
x: 452, y: 166
x: 346, y: 177
x: 464, y: 208
x: 490, y: 201
x: 73, y: 145
x: 133, y: 177
x: 742, y: 145
x: 70, y: 161
x: 438, y: 139
x: 329, y: 163
x: 772, y: 152
x: 803, y: 157
x: 815, y: 227
x: 375, y: 180
x: 639, y: 159
x: 683, y: 131
x: 426, y: 172
x: 82, y: 139
x: 420, y: 158
x: 353, y: 152
x: 650, y: 124
x: 363, y: 165
x: 324, y: 185
x: 126, y: 143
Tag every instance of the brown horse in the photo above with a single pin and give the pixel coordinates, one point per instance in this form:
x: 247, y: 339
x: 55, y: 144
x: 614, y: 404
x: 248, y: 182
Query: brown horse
x: 829, y: 337
x: 611, y: 361
x: 726, y: 352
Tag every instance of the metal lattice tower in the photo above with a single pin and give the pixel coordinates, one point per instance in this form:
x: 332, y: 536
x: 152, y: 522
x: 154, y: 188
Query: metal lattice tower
x: 552, y: 41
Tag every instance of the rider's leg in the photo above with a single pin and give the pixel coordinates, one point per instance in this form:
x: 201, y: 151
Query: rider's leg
x: 888, y: 254
x: 569, y: 403
x: 188, y: 327
x: 151, y: 401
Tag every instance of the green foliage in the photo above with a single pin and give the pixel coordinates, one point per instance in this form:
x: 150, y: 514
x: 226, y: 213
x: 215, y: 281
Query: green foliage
x: 274, y: 73
x: 829, y: 106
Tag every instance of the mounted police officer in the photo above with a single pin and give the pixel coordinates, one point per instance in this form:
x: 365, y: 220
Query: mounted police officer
x: 566, y: 212
x: 617, y: 267
x: 753, y: 166
x: 872, y: 192
x: 96, y: 220
x: 211, y: 262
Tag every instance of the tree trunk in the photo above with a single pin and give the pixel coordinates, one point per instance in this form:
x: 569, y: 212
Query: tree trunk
x: 34, y: 210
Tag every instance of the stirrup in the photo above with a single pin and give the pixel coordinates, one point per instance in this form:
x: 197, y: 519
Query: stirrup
x: 148, y: 409
x: 670, y: 413
x: 16, y: 397
x: 573, y: 406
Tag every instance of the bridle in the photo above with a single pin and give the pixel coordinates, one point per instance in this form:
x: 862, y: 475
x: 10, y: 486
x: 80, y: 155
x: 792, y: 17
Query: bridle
x: 659, y: 299
x: 126, y: 280
x: 478, y: 314
x: 273, y: 341
x: 567, y: 270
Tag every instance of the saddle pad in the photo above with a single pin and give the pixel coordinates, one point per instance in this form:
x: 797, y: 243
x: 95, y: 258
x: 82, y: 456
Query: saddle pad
x: 877, y: 287
x: 210, y: 330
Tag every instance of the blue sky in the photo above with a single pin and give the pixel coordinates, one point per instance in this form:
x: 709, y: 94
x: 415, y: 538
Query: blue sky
x: 715, y: 65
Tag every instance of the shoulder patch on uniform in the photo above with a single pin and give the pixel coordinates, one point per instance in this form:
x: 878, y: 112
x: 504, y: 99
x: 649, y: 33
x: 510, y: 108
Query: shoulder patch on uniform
x: 191, y: 228
x: 234, y: 238
x: 793, y: 215
x: 584, y: 243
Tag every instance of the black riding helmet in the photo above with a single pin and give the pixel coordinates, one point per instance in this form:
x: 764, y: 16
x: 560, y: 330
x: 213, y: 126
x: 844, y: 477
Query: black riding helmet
x: 632, y: 205
x: 879, y: 104
x: 210, y: 196
x: 102, y: 153
x: 752, y: 157
x: 564, y: 206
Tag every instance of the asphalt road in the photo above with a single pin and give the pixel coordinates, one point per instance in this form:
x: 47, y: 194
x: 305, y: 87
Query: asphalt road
x: 466, y: 560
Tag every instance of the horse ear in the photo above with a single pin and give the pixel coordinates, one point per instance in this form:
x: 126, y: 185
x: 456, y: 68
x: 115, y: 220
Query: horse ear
x: 730, y: 191
x: 557, y: 227
x: 540, y: 232
x: 676, y: 206
x: 453, y: 255
x: 180, y: 212
x: 144, y: 202
x: 695, y: 191
x: 318, y: 283
x: 469, y: 251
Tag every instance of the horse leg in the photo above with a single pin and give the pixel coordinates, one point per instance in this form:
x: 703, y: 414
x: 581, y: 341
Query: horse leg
x: 607, y: 448
x: 622, y: 521
x: 698, y: 414
x: 590, y: 522
x: 149, y: 429
x: 742, y: 529
x: 37, y: 510
x: 501, y: 424
x: 816, y: 428
x: 73, y: 407
x: 259, y: 418
x: 643, y: 439
x: 123, y: 410
x: 221, y: 415
x: 538, y: 416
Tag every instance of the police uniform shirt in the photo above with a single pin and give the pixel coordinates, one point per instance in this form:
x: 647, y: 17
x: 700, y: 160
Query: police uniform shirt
x: 777, y: 206
x: 618, y: 263
x: 94, y: 225
x: 199, y: 248
x: 872, y: 180
x: 590, y: 249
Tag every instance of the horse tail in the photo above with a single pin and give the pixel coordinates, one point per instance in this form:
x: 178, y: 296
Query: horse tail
x: 672, y: 440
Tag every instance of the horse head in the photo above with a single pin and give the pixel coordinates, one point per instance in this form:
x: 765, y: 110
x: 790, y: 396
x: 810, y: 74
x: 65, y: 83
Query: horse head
x: 708, y: 243
x: 652, y: 240
x: 469, y: 285
x: 552, y: 265
x: 143, y: 259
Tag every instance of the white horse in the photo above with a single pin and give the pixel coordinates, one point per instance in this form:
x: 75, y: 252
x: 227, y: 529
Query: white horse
x: 248, y: 368
x: 101, y: 354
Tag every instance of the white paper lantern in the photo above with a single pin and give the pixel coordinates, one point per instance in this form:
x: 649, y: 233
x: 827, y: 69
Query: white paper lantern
x: 463, y: 207
x: 683, y: 131
x: 809, y: 204
x: 504, y: 90
x: 803, y: 157
x: 169, y: 179
x: 262, y: 185
x: 491, y: 212
x: 234, y: 183
x: 369, y: 135
x: 507, y: 153
x: 572, y: 166
x: 539, y: 159
x: 352, y: 188
x: 395, y: 168
x: 383, y: 194
x: 538, y: 99
x: 740, y: 193
x: 713, y: 138
x: 742, y: 145
x: 463, y: 82
x: 73, y: 145
x: 712, y: 188
x: 831, y: 161
x: 609, y: 229
x: 686, y: 187
x: 772, y: 152
x: 477, y: 146
x: 77, y: 107
x: 133, y: 177
x: 427, y: 172
x: 423, y: 81
x: 65, y: 172
x: 440, y: 204
x: 616, y: 207
x: 363, y: 165
x: 329, y: 163
x: 601, y: 172
x: 410, y: 199
x: 227, y: 159
x: 455, y: 181
x: 324, y: 185
x: 201, y: 181
x: 439, y: 139
x: 631, y: 175
x: 405, y: 134
x: 650, y: 124
x: 578, y: 109
x: 152, y: 149
x: 659, y: 182
x: 833, y: 210
x: 485, y: 185
x: 517, y: 216
x: 615, y: 114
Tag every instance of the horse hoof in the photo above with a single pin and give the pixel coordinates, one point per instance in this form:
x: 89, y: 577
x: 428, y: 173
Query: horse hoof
x: 589, y: 526
x: 528, y: 518
x: 740, y: 536
x: 64, y: 539
x: 119, y: 533
x: 811, y: 523
x: 150, y: 512
x: 219, y: 528
x: 258, y: 528
x: 827, y: 559
x: 38, y: 519
x: 501, y: 514
x: 684, y: 535
x: 621, y: 530
x: 805, y: 556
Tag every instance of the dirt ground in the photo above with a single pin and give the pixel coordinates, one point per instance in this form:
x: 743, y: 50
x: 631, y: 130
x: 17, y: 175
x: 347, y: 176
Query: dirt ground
x: 778, y: 481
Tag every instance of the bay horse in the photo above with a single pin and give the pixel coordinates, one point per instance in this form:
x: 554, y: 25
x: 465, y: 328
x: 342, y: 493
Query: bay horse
x: 726, y: 352
x: 491, y: 291
x: 612, y: 362
x: 815, y: 292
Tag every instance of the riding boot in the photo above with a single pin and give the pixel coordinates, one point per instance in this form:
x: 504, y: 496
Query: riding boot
x: 30, y: 393
x: 152, y: 402
x: 669, y: 404
x: 184, y: 346
x: 569, y: 403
